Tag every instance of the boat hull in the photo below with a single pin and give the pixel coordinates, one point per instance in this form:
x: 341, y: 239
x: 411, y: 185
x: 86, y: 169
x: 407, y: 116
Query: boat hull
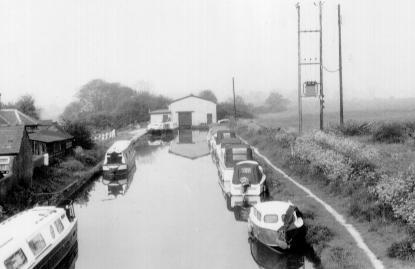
x: 53, y: 259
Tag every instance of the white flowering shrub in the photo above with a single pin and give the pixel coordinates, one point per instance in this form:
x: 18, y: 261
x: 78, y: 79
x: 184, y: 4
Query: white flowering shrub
x: 356, y: 151
x: 332, y: 164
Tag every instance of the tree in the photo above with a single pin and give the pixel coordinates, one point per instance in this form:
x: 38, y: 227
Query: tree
x: 26, y: 104
x: 275, y: 102
x: 208, y: 95
x: 226, y: 109
x: 80, y: 132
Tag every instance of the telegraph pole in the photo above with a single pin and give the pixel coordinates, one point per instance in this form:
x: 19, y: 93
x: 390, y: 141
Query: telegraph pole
x: 340, y: 66
x: 300, y: 106
x: 234, y: 98
x: 321, y: 67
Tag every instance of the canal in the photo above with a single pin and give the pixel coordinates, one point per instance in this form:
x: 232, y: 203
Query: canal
x: 170, y: 213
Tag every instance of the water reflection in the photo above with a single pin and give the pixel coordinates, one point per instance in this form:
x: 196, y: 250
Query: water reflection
x: 190, y: 144
x: 160, y: 139
x: 118, y: 187
x: 267, y: 258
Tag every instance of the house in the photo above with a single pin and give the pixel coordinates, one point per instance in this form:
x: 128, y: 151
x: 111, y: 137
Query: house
x: 13, y: 117
x: 50, y: 139
x: 191, y: 110
x: 187, y: 112
x: 15, y: 158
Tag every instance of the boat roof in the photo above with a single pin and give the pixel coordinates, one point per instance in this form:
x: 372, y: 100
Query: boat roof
x: 273, y: 207
x: 119, y: 146
x: 250, y: 163
x: 225, y: 130
x: 230, y: 140
x: 24, y: 224
x: 232, y: 146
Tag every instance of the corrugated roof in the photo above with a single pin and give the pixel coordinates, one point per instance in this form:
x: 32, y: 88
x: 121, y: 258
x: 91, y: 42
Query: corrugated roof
x: 11, y: 139
x: 15, y: 117
x: 49, y: 136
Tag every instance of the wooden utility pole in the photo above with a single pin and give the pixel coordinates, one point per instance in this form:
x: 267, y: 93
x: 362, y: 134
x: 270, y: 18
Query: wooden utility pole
x: 321, y: 68
x: 340, y: 66
x: 300, y: 106
x: 234, y: 98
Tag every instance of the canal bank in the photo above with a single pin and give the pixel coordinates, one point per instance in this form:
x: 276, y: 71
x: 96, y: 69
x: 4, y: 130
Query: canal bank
x: 55, y: 184
x: 347, y: 237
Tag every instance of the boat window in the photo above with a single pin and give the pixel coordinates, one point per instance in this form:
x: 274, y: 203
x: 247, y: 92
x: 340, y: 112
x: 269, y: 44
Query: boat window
x: 114, y: 158
x: 257, y: 214
x: 59, y: 225
x: 52, y: 231
x: 271, y: 218
x: 37, y: 244
x: 16, y: 261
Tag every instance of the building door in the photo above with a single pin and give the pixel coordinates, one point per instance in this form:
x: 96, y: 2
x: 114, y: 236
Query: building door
x: 185, y: 119
x: 209, y: 118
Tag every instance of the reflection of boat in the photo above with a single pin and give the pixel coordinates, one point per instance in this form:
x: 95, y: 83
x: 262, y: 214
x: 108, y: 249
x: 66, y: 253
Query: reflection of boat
x: 119, y: 160
x: 276, y: 224
x: 190, y: 144
x: 119, y: 186
x: 232, y: 154
x: 40, y: 237
x: 268, y: 259
x: 70, y: 260
x: 248, y: 179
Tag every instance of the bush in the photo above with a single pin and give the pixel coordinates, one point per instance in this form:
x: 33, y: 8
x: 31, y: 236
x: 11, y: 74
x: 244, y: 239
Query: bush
x: 352, y: 128
x: 86, y: 157
x: 72, y: 165
x: 404, y: 250
x: 389, y: 133
x: 80, y: 132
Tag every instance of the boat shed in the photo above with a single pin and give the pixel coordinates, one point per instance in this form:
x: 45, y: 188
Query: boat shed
x: 192, y: 111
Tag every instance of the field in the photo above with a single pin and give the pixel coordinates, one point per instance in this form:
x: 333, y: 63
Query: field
x: 365, y: 170
x: 289, y: 119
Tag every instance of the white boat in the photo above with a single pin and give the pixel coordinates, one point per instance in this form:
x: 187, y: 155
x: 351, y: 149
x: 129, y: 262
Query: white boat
x: 276, y: 224
x: 218, y: 137
x: 119, y: 160
x: 40, y: 237
x: 232, y: 154
x: 248, y: 179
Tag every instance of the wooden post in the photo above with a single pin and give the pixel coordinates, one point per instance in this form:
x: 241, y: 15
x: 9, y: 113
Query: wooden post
x: 300, y: 108
x: 234, y: 98
x: 340, y: 66
x: 321, y: 69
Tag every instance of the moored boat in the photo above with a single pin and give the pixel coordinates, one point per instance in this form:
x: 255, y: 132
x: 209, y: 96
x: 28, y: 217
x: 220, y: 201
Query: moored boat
x: 119, y: 160
x: 232, y: 154
x: 40, y: 237
x: 276, y: 224
x: 248, y: 179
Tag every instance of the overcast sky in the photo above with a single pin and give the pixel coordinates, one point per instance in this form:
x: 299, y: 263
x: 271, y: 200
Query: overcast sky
x: 50, y: 48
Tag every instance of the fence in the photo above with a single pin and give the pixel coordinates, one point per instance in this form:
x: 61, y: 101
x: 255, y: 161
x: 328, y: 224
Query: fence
x: 104, y: 136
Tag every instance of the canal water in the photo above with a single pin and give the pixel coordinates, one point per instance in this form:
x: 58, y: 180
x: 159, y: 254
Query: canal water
x: 170, y: 213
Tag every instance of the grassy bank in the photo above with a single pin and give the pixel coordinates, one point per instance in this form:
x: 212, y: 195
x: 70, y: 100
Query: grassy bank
x: 344, y: 174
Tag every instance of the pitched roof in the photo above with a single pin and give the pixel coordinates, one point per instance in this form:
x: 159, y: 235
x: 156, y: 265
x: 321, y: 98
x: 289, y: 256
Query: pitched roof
x: 11, y: 139
x: 13, y: 116
x: 160, y: 111
x: 53, y: 133
x: 191, y: 95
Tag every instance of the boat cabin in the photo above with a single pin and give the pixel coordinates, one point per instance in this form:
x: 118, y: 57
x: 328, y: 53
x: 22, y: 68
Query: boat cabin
x: 223, y: 134
x: 235, y: 153
x: 247, y: 172
x: 37, y: 238
x: 119, y: 159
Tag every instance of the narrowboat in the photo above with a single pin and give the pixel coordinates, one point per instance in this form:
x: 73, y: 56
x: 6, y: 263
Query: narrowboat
x: 276, y: 224
x: 248, y: 179
x: 41, y: 237
x: 232, y: 154
x: 119, y: 160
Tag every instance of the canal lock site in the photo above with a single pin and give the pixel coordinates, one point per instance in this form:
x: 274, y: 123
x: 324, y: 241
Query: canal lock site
x: 171, y: 211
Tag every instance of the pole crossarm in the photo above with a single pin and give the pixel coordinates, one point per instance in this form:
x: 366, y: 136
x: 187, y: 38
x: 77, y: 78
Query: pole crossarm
x: 309, y: 63
x: 309, y: 31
